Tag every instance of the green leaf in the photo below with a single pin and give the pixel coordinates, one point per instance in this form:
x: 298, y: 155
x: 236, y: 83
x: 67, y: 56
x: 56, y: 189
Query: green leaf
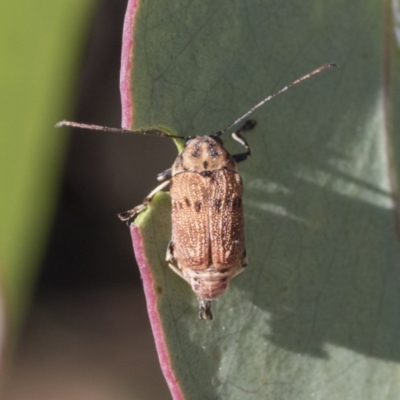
x: 39, y: 42
x: 316, y: 315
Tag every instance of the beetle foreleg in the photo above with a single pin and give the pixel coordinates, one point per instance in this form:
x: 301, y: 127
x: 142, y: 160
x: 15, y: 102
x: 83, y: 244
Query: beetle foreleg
x: 130, y: 215
x: 162, y: 176
x: 248, y: 126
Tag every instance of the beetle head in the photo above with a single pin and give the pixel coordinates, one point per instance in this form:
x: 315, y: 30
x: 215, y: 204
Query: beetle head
x: 204, y: 154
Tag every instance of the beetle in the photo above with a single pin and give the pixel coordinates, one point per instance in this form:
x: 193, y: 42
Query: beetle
x: 207, y: 246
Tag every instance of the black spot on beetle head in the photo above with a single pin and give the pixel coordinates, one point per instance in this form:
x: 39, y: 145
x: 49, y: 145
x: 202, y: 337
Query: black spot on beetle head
x: 213, y: 149
x: 196, y: 151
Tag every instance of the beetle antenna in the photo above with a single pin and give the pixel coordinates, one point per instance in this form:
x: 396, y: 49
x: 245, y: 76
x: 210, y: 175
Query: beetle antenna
x: 149, y: 132
x: 271, y: 96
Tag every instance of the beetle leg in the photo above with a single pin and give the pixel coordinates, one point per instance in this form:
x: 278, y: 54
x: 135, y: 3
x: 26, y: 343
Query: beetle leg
x: 248, y: 126
x: 162, y: 176
x: 204, y: 309
x: 130, y: 215
x: 176, y: 270
x: 243, y: 265
x: 170, y: 259
x: 245, y: 261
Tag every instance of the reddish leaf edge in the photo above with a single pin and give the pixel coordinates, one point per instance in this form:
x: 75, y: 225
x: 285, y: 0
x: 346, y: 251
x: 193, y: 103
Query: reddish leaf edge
x: 127, y: 64
x: 137, y: 239
x: 155, y: 320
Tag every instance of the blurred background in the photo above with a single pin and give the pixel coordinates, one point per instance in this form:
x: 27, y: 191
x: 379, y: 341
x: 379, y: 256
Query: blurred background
x: 77, y: 326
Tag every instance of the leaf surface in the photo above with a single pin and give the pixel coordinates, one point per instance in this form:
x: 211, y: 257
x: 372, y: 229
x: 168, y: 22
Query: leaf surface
x: 316, y: 315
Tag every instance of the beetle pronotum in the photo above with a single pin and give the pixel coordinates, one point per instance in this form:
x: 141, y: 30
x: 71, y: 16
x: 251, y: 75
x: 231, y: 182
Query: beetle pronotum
x: 207, y: 243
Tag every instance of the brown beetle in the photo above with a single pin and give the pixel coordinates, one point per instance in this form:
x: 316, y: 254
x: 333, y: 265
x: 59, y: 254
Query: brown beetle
x: 207, y: 243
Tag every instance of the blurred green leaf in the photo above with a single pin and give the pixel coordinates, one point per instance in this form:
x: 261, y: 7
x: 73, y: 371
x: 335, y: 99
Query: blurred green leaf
x: 316, y: 315
x: 40, y: 42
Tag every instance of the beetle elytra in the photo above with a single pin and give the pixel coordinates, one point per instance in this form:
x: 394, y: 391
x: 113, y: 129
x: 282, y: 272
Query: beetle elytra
x: 207, y: 242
